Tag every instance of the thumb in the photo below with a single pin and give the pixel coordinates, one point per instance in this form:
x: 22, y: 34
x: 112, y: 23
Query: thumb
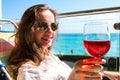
x: 112, y: 75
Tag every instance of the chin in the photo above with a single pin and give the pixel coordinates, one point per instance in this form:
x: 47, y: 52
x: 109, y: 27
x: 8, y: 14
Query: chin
x: 47, y: 46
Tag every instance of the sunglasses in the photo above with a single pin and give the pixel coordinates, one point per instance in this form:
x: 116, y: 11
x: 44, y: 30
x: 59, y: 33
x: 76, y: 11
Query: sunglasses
x: 42, y: 26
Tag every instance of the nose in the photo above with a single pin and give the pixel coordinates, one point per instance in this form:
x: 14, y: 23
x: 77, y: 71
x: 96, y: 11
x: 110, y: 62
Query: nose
x: 49, y: 28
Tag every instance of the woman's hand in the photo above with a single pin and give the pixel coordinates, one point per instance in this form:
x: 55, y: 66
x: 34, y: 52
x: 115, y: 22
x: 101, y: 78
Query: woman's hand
x: 87, y: 69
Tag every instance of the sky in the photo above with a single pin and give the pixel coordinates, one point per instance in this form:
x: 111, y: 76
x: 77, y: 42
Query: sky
x: 13, y: 9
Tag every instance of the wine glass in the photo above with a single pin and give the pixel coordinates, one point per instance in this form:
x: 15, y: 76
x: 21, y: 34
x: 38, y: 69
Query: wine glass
x: 96, y: 38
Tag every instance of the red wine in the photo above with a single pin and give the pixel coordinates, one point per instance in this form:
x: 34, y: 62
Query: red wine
x: 97, y: 48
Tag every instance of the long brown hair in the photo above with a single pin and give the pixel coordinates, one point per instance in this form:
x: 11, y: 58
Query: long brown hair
x: 24, y: 49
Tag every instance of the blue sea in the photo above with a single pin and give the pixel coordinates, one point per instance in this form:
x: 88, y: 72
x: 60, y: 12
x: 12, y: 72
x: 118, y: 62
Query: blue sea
x: 73, y: 44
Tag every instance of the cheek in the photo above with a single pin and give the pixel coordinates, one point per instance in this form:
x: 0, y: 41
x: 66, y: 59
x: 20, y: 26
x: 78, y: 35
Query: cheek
x: 37, y: 37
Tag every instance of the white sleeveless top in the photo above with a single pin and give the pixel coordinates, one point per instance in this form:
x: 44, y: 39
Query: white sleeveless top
x: 52, y: 68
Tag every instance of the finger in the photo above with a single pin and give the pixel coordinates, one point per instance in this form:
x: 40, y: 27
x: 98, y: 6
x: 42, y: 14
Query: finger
x: 89, y: 68
x: 90, y: 61
x: 93, y: 74
x: 88, y: 75
x: 112, y: 75
x: 94, y: 61
x: 82, y: 75
x: 92, y: 78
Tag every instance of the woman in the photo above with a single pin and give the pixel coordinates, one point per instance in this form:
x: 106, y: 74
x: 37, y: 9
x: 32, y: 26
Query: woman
x: 31, y: 58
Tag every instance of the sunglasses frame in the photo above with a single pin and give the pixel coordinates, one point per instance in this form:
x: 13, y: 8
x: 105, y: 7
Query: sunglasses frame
x: 42, y: 26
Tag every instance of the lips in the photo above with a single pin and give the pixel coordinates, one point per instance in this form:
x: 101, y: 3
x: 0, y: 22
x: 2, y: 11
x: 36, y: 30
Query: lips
x: 47, y: 38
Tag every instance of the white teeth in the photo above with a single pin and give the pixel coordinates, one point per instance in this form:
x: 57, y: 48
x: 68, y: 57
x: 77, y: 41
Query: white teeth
x: 47, y: 38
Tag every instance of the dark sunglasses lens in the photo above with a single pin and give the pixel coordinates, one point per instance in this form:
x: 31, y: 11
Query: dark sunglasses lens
x: 42, y: 26
x: 54, y: 26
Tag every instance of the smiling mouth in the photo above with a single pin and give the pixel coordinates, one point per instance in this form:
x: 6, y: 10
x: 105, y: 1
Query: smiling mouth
x: 47, y: 39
